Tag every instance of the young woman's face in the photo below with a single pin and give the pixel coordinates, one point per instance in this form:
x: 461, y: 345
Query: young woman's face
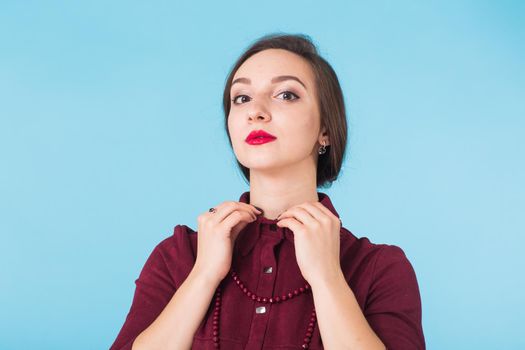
x: 283, y: 108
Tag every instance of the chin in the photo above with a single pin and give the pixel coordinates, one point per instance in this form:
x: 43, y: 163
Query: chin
x: 262, y: 166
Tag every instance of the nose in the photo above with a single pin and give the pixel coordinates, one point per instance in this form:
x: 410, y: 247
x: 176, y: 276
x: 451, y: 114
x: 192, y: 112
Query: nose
x: 258, y: 114
x: 258, y: 111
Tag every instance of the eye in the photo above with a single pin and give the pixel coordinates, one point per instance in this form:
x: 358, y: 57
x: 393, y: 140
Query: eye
x: 235, y: 98
x: 289, y: 93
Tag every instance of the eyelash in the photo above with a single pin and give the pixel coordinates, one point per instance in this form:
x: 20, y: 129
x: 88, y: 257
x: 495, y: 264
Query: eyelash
x: 296, y: 97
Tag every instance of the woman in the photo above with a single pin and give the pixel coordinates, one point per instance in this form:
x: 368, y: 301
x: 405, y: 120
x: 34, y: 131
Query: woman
x: 276, y: 269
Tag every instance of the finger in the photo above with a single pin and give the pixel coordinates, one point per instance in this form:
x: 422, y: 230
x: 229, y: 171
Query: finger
x: 241, y: 206
x: 294, y: 225
x: 224, y: 209
x: 331, y: 215
x: 315, y: 211
x: 324, y: 209
x: 251, y: 207
x: 301, y: 212
x: 232, y: 220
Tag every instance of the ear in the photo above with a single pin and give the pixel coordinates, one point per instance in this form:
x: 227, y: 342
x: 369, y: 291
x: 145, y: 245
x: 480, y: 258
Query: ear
x: 323, y: 136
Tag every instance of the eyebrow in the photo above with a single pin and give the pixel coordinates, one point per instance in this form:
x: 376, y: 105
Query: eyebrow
x: 274, y: 80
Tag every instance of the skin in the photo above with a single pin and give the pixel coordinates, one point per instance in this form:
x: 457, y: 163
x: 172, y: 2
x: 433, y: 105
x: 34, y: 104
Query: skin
x: 283, y: 181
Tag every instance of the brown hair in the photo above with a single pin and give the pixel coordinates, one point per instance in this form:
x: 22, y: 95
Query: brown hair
x: 330, y: 100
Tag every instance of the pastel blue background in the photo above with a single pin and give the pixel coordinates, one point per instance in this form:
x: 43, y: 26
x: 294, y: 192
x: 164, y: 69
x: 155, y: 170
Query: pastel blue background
x: 111, y: 134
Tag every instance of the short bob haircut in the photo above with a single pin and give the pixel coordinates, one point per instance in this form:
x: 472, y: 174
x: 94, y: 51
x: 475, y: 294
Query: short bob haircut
x: 330, y: 100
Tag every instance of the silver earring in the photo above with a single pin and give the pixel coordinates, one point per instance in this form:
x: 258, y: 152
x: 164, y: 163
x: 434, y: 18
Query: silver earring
x: 322, y: 149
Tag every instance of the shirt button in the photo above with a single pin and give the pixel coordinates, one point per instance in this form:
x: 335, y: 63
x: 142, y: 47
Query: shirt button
x: 273, y: 227
x: 260, y: 310
x: 268, y: 269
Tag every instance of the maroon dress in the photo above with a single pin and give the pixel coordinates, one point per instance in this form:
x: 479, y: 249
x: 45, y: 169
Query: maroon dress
x: 380, y: 276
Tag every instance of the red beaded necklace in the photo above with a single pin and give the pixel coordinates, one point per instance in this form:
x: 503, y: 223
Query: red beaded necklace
x: 270, y: 300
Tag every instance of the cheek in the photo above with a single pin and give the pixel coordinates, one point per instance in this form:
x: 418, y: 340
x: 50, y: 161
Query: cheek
x: 233, y: 128
x: 237, y: 133
x: 299, y: 139
x: 303, y: 134
x: 305, y: 126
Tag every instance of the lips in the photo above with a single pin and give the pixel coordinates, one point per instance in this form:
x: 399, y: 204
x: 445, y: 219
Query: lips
x: 257, y: 137
x: 260, y: 140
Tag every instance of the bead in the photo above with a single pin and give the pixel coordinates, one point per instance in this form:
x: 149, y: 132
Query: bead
x: 262, y: 309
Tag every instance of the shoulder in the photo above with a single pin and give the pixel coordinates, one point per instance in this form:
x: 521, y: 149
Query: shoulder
x: 180, y: 245
x: 176, y: 254
x: 367, y: 265
x: 182, y: 238
x: 366, y: 251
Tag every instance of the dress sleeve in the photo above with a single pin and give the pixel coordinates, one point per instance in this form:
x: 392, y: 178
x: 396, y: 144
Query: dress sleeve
x: 393, y: 307
x: 154, y: 289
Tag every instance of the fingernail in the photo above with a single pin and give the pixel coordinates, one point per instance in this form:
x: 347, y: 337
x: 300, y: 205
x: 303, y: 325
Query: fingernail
x: 259, y: 209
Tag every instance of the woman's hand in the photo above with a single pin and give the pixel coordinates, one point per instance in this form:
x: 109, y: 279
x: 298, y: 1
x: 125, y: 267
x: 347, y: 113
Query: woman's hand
x: 316, y: 238
x: 216, y: 235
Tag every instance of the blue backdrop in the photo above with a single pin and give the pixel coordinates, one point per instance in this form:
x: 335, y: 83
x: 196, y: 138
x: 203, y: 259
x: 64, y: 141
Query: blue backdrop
x: 110, y: 120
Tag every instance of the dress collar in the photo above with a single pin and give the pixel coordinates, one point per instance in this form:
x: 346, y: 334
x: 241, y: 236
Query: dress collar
x: 251, y: 233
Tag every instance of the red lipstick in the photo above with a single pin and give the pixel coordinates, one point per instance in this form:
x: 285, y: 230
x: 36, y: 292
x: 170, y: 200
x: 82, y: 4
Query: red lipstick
x: 258, y: 137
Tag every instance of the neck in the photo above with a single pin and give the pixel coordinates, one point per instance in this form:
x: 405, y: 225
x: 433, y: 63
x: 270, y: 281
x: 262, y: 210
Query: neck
x: 274, y: 196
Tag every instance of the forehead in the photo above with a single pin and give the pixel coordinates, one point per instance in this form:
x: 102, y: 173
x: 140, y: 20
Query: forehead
x: 264, y: 65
